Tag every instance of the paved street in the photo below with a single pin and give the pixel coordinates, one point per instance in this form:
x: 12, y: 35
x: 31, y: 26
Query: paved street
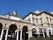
x: 51, y: 38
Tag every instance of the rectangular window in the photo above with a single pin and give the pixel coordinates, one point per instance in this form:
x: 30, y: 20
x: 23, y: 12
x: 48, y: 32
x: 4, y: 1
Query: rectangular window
x: 52, y: 25
x: 47, y: 18
x: 41, y: 25
x: 28, y: 19
x: 40, y: 30
x: 41, y: 20
x: 37, y: 20
x: 49, y: 25
x: 50, y: 19
x: 33, y: 20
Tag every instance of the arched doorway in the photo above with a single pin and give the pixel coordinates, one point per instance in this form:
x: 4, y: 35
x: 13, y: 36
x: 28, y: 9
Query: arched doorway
x: 11, y: 32
x: 25, y: 33
x: 1, y: 28
x: 34, y: 32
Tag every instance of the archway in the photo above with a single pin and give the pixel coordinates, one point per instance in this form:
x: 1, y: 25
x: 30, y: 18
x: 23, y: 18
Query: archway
x: 25, y: 33
x: 1, y: 28
x: 11, y: 32
x: 34, y: 32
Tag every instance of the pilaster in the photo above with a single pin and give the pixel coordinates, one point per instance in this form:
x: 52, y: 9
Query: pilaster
x: 29, y: 34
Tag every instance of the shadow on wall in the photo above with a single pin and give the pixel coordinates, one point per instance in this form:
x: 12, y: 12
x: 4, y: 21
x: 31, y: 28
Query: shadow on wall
x: 41, y: 38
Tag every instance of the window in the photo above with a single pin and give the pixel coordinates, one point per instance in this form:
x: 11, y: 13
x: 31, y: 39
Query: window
x: 37, y: 20
x: 47, y: 19
x: 41, y: 20
x: 52, y: 25
x: 42, y: 25
x: 50, y: 19
x: 34, y: 30
x: 41, y: 31
x: 33, y: 20
x: 48, y: 24
x: 28, y: 19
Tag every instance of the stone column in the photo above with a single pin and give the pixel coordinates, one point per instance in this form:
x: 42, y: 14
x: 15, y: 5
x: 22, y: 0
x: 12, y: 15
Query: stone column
x: 17, y: 32
x: 2, y: 34
x: 29, y: 34
x: 43, y: 33
x: 6, y: 35
x: 21, y: 35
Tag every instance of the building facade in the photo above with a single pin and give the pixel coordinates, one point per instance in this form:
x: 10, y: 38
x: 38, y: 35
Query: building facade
x: 34, y: 24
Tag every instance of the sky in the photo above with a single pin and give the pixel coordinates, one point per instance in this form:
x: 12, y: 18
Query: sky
x: 23, y: 7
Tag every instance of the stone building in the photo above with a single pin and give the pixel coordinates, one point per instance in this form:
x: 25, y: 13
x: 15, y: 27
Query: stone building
x: 37, y: 24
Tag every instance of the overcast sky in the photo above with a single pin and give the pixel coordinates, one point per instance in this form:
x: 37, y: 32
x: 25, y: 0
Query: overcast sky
x: 23, y: 7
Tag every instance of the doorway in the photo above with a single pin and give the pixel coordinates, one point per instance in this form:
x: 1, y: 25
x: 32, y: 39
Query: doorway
x: 11, y: 32
x: 25, y: 33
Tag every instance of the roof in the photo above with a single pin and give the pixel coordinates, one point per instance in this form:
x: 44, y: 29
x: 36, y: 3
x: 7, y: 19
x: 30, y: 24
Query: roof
x: 37, y: 14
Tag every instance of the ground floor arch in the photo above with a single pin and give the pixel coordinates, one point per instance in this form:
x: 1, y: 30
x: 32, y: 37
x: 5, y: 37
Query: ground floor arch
x: 11, y: 31
x: 34, y: 31
x: 25, y: 33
